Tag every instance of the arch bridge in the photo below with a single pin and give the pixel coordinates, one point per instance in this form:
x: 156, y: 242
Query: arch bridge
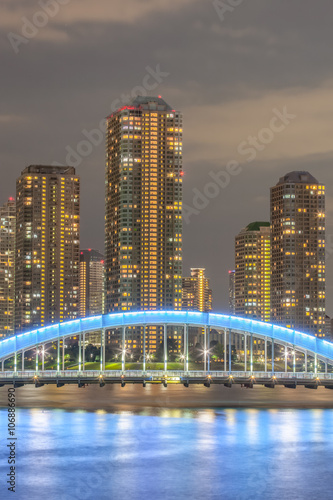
x: 273, y: 338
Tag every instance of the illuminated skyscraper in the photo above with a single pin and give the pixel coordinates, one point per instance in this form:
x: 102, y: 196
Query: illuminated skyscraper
x: 197, y: 296
x: 143, y: 221
x: 47, y: 246
x: 91, y: 283
x: 298, y: 253
x: 7, y: 271
x: 253, y: 271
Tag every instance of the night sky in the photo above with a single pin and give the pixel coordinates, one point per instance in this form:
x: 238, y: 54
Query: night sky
x: 226, y: 69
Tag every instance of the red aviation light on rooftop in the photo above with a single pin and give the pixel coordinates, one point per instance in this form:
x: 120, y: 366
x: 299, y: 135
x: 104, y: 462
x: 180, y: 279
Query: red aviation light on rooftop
x: 11, y: 198
x: 181, y: 173
x: 126, y: 107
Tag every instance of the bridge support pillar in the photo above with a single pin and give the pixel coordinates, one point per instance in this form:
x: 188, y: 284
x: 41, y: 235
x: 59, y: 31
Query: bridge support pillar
x: 15, y: 362
x: 265, y: 355
x: 208, y: 347
x: 123, y: 349
x: 225, y: 349
x: 63, y: 354
x: 326, y: 366
x: 285, y: 358
x: 245, y: 352
x: 205, y: 349
x: 316, y: 364
x: 2, y: 366
x: 43, y: 357
x: 37, y: 358
x: 22, y: 363
x: 306, y: 362
x: 58, y: 355
x: 273, y: 356
x: 165, y: 348
x: 251, y: 353
x: 80, y: 352
x: 230, y: 350
x: 84, y: 352
x: 104, y: 344
x: 144, y: 348
x: 186, y: 348
x: 294, y: 360
x: 101, y: 353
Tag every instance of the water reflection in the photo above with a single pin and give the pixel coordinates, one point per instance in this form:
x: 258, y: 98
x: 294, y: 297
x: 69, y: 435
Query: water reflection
x: 173, y: 453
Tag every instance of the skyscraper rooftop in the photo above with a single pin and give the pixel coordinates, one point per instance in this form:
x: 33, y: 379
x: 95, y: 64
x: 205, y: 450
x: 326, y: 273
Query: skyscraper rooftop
x: 150, y: 102
x: 298, y: 177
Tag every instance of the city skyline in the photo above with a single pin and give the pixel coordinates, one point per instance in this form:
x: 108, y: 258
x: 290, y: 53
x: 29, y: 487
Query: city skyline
x: 222, y: 100
x: 166, y: 249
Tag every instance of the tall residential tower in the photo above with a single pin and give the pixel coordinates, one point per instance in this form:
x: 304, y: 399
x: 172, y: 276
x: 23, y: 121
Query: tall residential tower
x: 143, y: 220
x: 7, y: 270
x: 47, y: 246
x: 298, y: 253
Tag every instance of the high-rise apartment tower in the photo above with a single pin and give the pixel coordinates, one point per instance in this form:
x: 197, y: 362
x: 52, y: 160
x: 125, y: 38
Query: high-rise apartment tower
x: 47, y: 246
x: 298, y: 253
x: 7, y: 267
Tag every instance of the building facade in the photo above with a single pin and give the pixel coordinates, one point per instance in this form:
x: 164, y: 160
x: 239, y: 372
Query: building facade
x: 143, y: 220
x: 91, y: 283
x: 197, y: 295
x: 47, y: 246
x: 298, y: 253
x: 7, y: 267
x: 253, y: 271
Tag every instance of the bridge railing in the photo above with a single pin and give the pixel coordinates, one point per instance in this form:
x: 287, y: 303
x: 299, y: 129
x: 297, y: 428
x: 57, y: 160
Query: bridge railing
x: 76, y: 374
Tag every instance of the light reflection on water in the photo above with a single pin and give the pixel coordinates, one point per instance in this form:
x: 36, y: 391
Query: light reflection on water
x: 171, y: 453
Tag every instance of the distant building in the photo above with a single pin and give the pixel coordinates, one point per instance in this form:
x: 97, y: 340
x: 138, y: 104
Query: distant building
x: 7, y: 267
x: 91, y: 283
x: 47, y: 246
x: 328, y: 327
x: 196, y: 293
x: 232, y: 301
x: 253, y: 271
x: 298, y: 253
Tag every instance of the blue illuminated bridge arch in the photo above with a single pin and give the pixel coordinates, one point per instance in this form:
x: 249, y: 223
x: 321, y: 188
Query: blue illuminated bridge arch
x: 301, y: 342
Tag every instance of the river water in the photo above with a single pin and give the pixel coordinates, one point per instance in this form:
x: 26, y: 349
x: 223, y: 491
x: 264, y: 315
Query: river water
x: 141, y: 449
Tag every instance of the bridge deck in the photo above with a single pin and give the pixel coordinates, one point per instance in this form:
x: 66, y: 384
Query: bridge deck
x: 269, y: 379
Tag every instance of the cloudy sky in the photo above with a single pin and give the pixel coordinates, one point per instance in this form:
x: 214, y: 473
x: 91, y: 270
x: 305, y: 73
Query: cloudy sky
x: 230, y: 69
